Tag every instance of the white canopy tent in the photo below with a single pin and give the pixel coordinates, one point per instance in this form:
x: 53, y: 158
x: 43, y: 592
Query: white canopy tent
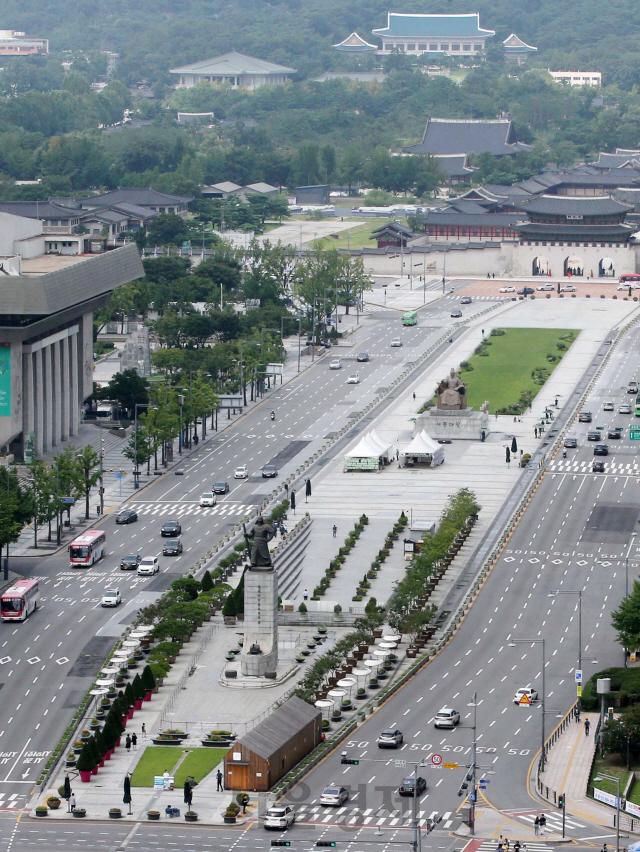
x: 368, y: 454
x: 423, y: 450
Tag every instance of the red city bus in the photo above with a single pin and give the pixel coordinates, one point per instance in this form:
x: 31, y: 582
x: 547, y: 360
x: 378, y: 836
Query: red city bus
x: 19, y: 601
x: 87, y: 548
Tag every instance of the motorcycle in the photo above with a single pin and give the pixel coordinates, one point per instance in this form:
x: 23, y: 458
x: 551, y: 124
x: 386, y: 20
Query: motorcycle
x: 273, y: 415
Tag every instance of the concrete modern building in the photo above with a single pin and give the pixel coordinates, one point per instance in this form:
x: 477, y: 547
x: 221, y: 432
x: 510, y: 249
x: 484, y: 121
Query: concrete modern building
x: 415, y: 34
x: 233, y: 69
x: 578, y: 78
x: 46, y: 336
x: 14, y: 43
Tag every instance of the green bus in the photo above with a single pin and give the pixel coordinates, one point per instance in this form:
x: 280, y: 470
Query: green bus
x: 410, y: 318
x: 637, y: 407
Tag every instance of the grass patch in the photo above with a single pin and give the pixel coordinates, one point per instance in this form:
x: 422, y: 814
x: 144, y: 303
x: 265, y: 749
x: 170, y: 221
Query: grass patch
x: 154, y: 761
x: 612, y: 764
x: 355, y: 238
x: 199, y: 763
x: 509, y: 370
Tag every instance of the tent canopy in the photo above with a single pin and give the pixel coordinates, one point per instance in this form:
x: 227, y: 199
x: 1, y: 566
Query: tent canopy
x: 369, y: 446
x: 422, y: 445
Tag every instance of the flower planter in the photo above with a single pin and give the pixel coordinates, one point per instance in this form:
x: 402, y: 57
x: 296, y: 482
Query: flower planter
x: 191, y: 817
x: 115, y: 813
x: 148, y: 695
x: 69, y: 764
x: 153, y: 815
x: 130, y: 713
x: 94, y: 771
x: 42, y: 812
x: 138, y: 704
x: 53, y: 804
x: 229, y: 820
x: 78, y: 813
x: 411, y: 652
x: 215, y: 743
x: 178, y: 735
x: 166, y: 742
x: 85, y: 776
x: 118, y: 741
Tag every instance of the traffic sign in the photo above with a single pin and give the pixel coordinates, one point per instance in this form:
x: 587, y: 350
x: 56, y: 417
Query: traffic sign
x: 578, y: 675
x: 472, y: 797
x: 524, y: 699
x: 579, y: 691
x: 68, y: 501
x: 400, y: 764
x: 436, y: 759
x: 634, y: 433
x: 450, y: 765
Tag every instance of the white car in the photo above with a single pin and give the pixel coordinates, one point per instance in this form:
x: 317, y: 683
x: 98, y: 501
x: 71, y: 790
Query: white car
x: 608, y: 406
x: 531, y: 694
x: 567, y: 288
x: 149, y: 566
x: 624, y: 408
x: 336, y: 364
x: 629, y: 285
x: 208, y: 499
x: 241, y: 472
x: 334, y: 795
x: 396, y: 342
x: 279, y: 816
x: 111, y: 597
x: 507, y: 289
x: 354, y: 379
x: 546, y: 287
x: 446, y: 718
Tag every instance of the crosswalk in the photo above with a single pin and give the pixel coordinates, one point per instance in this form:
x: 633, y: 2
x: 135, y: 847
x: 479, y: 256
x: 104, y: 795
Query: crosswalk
x: 455, y: 297
x: 374, y: 817
x: 492, y: 845
x: 620, y: 468
x: 12, y: 801
x: 554, y: 820
x: 179, y: 510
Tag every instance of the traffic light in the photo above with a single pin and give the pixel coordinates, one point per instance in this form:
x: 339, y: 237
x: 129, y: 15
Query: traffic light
x: 349, y: 760
x: 281, y: 843
x: 325, y: 843
x: 561, y: 801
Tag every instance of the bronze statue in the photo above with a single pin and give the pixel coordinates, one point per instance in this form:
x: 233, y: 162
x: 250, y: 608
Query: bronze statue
x: 452, y: 393
x: 262, y: 533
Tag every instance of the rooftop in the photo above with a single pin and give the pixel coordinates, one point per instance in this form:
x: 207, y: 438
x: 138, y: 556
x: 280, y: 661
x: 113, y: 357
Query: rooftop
x: 233, y: 64
x: 463, y: 135
x: 278, y: 728
x: 355, y: 44
x: 401, y: 24
x: 560, y: 205
x: 132, y: 195
x: 514, y: 44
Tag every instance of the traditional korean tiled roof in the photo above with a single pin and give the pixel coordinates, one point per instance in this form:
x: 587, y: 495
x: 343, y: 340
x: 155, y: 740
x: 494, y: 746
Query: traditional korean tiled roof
x: 355, y: 44
x: 400, y: 24
x: 562, y: 205
x: 233, y: 64
x: 454, y: 165
x: 614, y: 231
x: 474, y: 220
x: 464, y: 135
x: 514, y: 44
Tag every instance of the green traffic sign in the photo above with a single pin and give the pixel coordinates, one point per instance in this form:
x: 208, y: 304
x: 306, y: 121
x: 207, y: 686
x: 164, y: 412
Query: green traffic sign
x: 634, y: 433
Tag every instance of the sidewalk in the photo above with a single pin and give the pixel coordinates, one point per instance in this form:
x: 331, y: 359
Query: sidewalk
x: 496, y: 825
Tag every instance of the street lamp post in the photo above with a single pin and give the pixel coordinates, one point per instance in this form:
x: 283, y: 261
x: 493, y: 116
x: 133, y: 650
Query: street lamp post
x: 532, y: 642
x: 101, y: 474
x: 603, y: 776
x: 626, y: 566
x: 472, y: 810
x: 577, y: 592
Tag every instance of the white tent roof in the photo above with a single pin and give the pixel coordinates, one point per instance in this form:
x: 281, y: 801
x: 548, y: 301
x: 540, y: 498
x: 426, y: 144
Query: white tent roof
x: 367, y: 447
x: 385, y: 446
x: 422, y: 444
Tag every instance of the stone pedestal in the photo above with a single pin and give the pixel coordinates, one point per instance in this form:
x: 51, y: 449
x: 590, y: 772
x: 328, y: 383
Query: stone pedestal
x: 261, y: 623
x: 463, y: 425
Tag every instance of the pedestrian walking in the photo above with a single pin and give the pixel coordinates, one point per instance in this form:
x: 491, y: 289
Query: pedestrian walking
x: 305, y: 595
x: 543, y: 823
x: 134, y: 741
x: 414, y: 396
x: 335, y: 530
x: 144, y: 731
x: 127, y: 743
x: 516, y: 846
x: 586, y: 727
x: 536, y: 826
x: 72, y: 802
x: 219, y: 782
x: 535, y: 431
x: 397, y: 454
x: 506, y: 844
x: 245, y: 802
x: 499, y: 847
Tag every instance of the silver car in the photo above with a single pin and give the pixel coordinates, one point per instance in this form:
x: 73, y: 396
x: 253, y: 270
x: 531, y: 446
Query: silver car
x: 391, y: 738
x: 334, y: 796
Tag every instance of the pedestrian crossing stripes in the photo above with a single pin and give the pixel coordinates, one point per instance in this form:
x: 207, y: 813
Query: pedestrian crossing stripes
x: 455, y: 297
x: 373, y: 817
x: 584, y: 466
x: 12, y: 801
x: 492, y: 845
x: 178, y: 510
x: 554, y: 820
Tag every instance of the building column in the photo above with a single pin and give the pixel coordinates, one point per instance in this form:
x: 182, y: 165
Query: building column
x: 47, y: 400
x: 56, y: 401
x: 38, y: 402
x: 28, y: 413
x: 64, y: 387
x: 74, y: 396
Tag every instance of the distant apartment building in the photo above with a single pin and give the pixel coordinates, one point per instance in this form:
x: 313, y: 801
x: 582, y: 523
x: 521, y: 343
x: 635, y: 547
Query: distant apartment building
x: 13, y: 43
x: 578, y: 78
x: 416, y: 34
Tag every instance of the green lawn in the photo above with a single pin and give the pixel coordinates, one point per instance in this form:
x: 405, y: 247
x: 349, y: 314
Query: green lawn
x: 505, y: 374
x: 199, y: 763
x: 154, y: 761
x: 614, y: 764
x: 355, y: 238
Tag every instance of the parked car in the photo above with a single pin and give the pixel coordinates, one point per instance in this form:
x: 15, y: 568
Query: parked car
x: 466, y: 300
x: 598, y: 466
x: 568, y: 288
x: 446, y: 718
x: 173, y: 547
x: 456, y: 313
x: 363, y: 356
x: 335, y: 796
x: 207, y: 499
x: 220, y: 488
x: 336, y: 364
x: 111, y: 597
x: 585, y: 417
x: 531, y: 694
x: 391, y: 738
x: 130, y: 562
x: 269, y: 471
x: 126, y: 516
x: 241, y: 472
x: 410, y: 788
x: 548, y: 286
x: 526, y: 291
x: 279, y: 816
x: 171, y: 528
x: 570, y: 442
x: 148, y: 566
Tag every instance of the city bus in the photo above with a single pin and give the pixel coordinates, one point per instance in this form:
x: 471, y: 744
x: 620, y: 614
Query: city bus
x: 87, y: 548
x: 410, y: 318
x: 636, y: 409
x: 19, y: 601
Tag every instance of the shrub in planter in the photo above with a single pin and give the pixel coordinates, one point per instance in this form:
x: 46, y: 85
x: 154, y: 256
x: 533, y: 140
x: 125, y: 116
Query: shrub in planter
x: 302, y: 608
x: 153, y: 815
x: 337, y: 714
x: 229, y: 816
x: 53, y: 802
x: 115, y: 813
x: 326, y: 724
x: 337, y: 609
x: 79, y: 813
x: 42, y: 811
x: 356, y: 598
x: 361, y: 693
x: 373, y: 682
x: 86, y: 763
x: 346, y: 704
x: 299, y: 658
x: 364, y: 520
x: 322, y: 629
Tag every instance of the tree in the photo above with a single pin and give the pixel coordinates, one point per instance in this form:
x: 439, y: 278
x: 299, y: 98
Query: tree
x: 174, y: 630
x: 139, y: 691
x: 86, y: 761
x: 87, y: 461
x: 626, y: 619
x: 148, y: 680
x: 166, y: 228
x: 206, y: 584
x: 126, y: 388
x: 188, y: 587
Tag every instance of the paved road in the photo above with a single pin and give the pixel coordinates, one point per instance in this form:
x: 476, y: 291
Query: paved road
x: 47, y: 663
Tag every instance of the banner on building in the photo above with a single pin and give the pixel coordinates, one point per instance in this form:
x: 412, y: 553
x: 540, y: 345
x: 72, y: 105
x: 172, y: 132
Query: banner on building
x: 5, y: 380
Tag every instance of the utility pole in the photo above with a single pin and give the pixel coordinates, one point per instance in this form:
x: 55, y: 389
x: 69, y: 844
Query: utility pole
x: 101, y: 472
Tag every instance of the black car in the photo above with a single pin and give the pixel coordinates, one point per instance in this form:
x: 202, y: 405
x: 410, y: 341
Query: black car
x: 126, y: 516
x: 466, y: 300
x: 408, y: 786
x: 526, y: 291
x: 130, y: 562
x: 269, y: 471
x: 585, y: 417
x: 363, y: 356
x: 172, y: 548
x: 597, y: 466
x: 615, y: 433
x: 601, y: 450
x: 570, y: 442
x: 171, y: 529
x: 220, y: 487
x: 593, y: 436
